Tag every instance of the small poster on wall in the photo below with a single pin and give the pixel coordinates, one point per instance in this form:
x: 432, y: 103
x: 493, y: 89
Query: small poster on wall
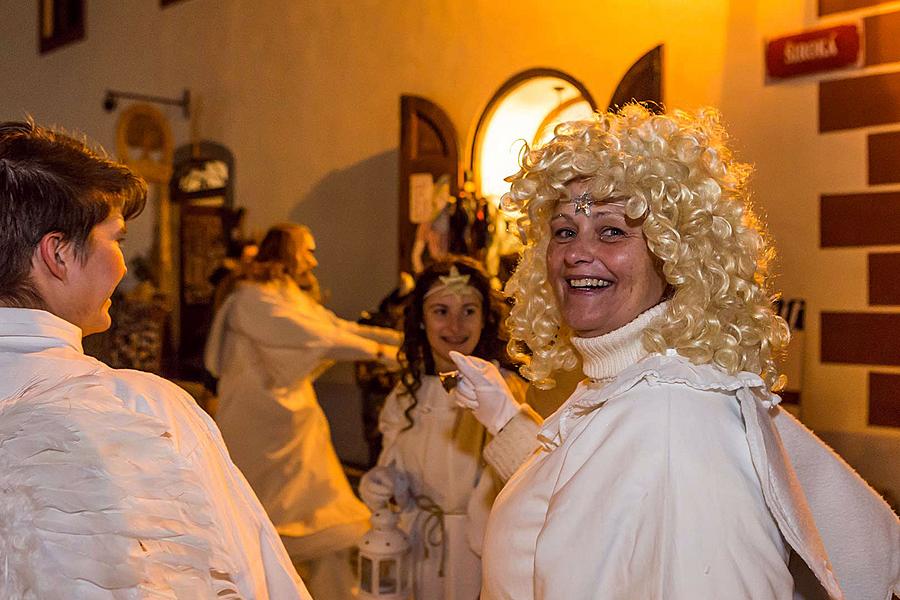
x: 421, y: 195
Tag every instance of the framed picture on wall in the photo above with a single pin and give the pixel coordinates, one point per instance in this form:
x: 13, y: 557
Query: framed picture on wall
x: 60, y: 22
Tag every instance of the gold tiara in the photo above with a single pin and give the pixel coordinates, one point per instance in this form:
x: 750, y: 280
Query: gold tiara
x: 454, y: 282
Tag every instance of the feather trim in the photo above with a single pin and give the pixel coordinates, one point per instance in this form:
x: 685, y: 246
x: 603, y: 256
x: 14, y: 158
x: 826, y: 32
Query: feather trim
x: 95, y: 503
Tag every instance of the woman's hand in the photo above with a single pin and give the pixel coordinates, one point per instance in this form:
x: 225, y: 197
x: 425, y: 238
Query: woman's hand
x: 387, y: 356
x: 380, y: 484
x: 482, y: 389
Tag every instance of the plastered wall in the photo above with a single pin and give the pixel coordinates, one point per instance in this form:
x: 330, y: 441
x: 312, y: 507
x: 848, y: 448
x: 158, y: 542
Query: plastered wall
x: 306, y: 94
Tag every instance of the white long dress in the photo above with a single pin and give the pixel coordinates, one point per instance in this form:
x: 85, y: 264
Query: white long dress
x: 116, y: 485
x: 441, y: 456
x: 267, y: 345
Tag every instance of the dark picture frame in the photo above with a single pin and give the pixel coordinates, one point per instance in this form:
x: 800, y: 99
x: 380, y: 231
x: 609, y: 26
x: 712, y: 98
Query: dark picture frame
x: 60, y: 22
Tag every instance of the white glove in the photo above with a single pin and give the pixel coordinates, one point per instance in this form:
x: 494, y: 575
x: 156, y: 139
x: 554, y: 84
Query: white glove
x: 482, y: 389
x: 380, y: 484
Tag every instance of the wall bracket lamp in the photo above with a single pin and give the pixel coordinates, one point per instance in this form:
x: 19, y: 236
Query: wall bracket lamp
x: 111, y: 100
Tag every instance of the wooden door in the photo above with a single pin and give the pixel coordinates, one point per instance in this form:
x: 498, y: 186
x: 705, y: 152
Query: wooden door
x: 642, y: 82
x: 428, y: 144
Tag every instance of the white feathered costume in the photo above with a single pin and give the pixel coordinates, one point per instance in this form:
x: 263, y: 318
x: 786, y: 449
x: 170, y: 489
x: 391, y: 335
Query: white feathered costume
x: 114, y: 484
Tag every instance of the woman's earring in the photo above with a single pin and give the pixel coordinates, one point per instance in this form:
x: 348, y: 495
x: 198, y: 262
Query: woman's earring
x: 422, y: 326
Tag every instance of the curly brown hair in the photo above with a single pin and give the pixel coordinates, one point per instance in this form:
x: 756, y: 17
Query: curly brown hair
x: 415, y: 352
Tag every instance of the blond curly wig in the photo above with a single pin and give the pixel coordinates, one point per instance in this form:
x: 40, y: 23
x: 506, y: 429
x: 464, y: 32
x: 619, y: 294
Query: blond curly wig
x: 680, y: 178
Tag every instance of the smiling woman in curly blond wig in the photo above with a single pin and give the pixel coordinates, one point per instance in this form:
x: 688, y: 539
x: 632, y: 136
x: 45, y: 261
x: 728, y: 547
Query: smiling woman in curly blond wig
x: 674, y: 174
x: 669, y: 471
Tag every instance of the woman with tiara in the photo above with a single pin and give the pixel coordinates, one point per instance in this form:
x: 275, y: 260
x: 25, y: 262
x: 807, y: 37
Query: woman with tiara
x: 431, y: 464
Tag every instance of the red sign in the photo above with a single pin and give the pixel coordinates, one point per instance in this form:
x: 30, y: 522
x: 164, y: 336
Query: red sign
x: 813, y: 51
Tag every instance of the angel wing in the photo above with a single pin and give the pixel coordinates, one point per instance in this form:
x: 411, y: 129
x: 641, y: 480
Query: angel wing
x: 96, y: 504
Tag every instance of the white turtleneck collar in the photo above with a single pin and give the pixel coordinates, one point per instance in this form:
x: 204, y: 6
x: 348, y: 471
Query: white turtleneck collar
x: 605, y: 356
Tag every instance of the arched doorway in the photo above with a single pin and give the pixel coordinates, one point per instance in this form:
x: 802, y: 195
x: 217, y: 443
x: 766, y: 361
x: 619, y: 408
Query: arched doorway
x: 525, y: 108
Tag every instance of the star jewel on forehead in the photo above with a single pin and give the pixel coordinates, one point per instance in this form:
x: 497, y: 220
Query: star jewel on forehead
x: 455, y: 282
x: 583, y: 203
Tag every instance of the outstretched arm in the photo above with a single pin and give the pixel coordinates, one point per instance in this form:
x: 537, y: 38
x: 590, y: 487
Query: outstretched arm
x: 276, y: 322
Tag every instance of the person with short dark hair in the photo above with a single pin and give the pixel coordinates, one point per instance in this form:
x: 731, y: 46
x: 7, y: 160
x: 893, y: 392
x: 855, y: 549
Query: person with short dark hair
x: 114, y: 482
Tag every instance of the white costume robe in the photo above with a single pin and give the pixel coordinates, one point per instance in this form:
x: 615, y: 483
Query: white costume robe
x: 441, y: 456
x: 676, y: 481
x: 117, y: 485
x: 267, y: 345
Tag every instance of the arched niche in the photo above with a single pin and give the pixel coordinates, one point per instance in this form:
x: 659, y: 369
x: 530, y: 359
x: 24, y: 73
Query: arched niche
x: 526, y: 107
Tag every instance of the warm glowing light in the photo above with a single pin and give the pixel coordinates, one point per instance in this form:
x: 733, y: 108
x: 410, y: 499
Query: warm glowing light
x: 535, y: 105
x: 527, y: 114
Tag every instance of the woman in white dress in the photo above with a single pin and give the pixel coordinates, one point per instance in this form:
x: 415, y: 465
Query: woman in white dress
x: 670, y: 472
x: 268, y: 343
x: 431, y: 462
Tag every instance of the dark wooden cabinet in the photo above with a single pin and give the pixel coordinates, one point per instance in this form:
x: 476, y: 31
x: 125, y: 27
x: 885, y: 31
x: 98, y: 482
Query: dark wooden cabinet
x: 203, y: 190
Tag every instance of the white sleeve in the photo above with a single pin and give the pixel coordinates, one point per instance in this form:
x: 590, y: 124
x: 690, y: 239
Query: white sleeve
x: 515, y: 443
x: 860, y: 531
x: 391, y: 421
x: 275, y: 323
x: 657, y: 498
x: 382, y: 335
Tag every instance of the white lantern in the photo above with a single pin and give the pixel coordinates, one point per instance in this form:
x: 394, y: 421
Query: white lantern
x: 384, y: 567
